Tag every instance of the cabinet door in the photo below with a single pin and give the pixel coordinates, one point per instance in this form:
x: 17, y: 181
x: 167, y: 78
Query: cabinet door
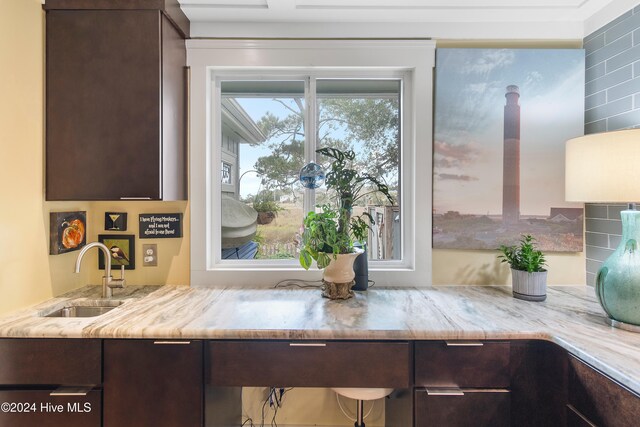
x: 153, y: 383
x: 42, y: 408
x: 462, y: 408
x: 599, y: 399
x: 103, y: 104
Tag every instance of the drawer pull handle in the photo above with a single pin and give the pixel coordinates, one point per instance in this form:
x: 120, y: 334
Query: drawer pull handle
x: 172, y: 342
x: 70, y: 391
x: 135, y: 198
x: 307, y: 344
x: 445, y: 392
x: 464, y: 344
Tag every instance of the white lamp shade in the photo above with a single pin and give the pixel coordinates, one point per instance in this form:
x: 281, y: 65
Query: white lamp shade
x: 603, y: 167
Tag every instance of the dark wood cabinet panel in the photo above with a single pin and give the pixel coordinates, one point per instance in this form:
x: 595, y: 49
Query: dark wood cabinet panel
x: 304, y: 364
x: 110, y: 131
x: 599, y: 399
x: 462, y: 364
x: 31, y: 361
x: 472, y: 408
x: 538, y: 383
x: 576, y: 419
x: 153, y: 383
x: 29, y: 408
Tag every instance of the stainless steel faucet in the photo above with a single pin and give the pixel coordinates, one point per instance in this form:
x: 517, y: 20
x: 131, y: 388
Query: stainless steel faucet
x: 108, y: 282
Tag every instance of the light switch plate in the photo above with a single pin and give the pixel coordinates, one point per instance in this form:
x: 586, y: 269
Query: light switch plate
x: 150, y: 255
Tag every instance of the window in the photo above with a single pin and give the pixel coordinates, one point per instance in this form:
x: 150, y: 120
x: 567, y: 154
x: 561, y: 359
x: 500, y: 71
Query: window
x: 361, y: 115
x: 259, y: 112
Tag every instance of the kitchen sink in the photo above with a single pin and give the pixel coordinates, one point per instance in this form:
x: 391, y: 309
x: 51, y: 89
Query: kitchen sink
x: 84, y: 309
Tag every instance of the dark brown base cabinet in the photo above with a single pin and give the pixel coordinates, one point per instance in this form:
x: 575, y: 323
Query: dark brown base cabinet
x: 194, y: 383
x: 155, y: 383
x: 50, y: 382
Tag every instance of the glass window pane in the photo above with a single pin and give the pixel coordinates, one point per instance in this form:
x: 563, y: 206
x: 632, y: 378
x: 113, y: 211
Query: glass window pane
x: 263, y: 137
x: 363, y: 115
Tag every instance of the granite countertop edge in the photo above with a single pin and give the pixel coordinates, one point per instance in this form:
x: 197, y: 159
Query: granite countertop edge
x: 570, y: 317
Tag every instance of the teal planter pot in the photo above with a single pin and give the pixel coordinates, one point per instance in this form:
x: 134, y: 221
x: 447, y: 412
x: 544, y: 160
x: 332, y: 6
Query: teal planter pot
x: 618, y: 281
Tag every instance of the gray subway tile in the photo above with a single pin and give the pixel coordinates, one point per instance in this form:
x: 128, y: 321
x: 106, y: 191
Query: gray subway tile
x: 592, y: 210
x: 610, y: 51
x: 613, y: 211
x: 630, y: 87
x: 636, y: 100
x: 609, y: 109
x: 608, y: 80
x: 597, y: 239
x: 623, y: 27
x: 609, y: 25
x: 594, y: 44
x: 593, y: 266
x: 591, y: 280
x: 636, y: 37
x: 628, y: 57
x: 614, y: 241
x: 636, y: 69
x: 624, y: 120
x: 598, y: 254
x: 595, y: 127
x: 602, y: 226
x: 594, y: 72
x: 595, y: 100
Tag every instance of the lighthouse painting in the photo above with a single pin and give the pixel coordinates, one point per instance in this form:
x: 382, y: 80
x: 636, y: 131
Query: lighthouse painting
x: 502, y: 117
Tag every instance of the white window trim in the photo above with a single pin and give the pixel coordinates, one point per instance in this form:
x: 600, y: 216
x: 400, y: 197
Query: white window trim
x: 206, y: 57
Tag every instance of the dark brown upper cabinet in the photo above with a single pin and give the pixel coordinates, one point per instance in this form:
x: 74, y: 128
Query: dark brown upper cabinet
x: 116, y: 85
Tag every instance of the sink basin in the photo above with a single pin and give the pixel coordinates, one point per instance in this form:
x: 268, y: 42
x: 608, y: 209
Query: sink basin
x: 84, y: 309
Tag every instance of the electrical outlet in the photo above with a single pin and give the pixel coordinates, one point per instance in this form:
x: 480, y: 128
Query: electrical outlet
x: 150, y: 255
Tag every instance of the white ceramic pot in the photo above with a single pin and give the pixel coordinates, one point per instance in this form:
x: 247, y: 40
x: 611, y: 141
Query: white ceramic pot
x: 337, y: 278
x: 340, y: 269
x: 529, y: 286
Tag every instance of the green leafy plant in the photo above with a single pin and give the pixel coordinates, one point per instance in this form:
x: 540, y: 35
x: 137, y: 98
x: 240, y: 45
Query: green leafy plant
x: 334, y: 229
x: 523, y: 256
x: 264, y: 202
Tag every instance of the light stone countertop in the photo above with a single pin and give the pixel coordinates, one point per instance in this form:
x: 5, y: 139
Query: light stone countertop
x: 570, y: 317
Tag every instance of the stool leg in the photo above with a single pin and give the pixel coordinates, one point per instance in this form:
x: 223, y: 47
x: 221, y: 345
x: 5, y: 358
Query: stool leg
x: 359, y: 414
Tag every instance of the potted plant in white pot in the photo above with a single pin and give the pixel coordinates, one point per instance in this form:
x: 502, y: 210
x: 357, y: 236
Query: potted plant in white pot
x: 528, y: 275
x: 329, y: 235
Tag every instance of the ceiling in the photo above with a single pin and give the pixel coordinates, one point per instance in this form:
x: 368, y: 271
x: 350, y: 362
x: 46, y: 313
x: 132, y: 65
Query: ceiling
x: 390, y: 10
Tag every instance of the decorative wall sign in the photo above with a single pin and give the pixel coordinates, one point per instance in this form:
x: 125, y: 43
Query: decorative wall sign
x: 122, y: 248
x: 160, y: 226
x: 502, y: 117
x: 115, y: 221
x: 67, y: 231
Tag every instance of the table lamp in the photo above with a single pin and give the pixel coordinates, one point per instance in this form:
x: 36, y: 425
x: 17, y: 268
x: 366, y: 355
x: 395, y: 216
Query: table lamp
x: 605, y: 168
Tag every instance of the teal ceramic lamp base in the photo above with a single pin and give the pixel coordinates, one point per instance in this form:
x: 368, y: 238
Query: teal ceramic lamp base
x: 618, y: 281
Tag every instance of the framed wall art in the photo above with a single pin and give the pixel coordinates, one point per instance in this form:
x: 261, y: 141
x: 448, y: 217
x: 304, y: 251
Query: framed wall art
x: 502, y: 117
x: 122, y: 249
x: 67, y: 231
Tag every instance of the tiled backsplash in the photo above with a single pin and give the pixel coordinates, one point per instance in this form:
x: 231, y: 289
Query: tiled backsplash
x: 612, y: 102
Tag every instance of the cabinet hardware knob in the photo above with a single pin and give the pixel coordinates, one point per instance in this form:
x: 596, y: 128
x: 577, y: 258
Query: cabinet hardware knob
x: 307, y: 344
x: 70, y: 391
x: 464, y: 344
x: 445, y: 392
x: 172, y: 342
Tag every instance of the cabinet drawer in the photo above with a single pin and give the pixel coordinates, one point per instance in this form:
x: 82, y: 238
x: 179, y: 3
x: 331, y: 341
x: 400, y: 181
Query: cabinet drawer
x: 599, y: 399
x: 28, y: 408
x: 50, y: 361
x: 477, y: 408
x: 306, y: 364
x: 462, y: 364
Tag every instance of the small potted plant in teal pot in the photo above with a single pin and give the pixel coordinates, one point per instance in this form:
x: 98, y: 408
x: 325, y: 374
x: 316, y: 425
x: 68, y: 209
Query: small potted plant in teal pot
x: 528, y: 273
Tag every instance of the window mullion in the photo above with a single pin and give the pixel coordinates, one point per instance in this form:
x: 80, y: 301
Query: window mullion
x: 310, y: 136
